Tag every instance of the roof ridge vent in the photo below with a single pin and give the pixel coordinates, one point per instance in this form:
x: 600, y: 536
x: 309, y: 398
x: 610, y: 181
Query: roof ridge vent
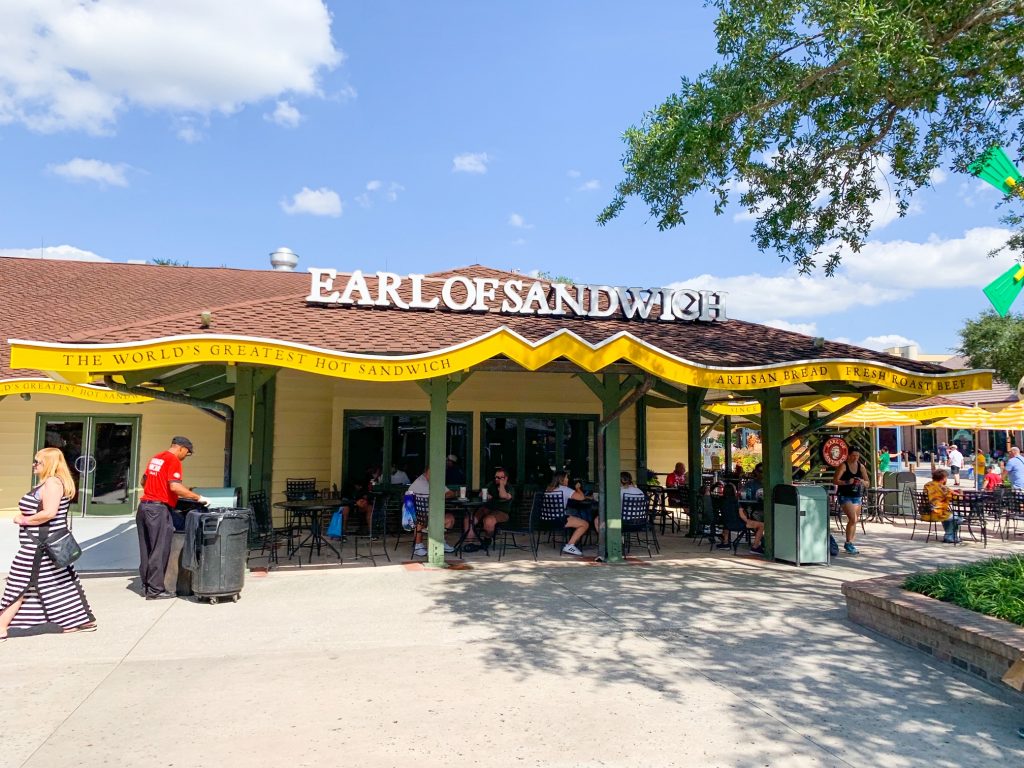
x: 284, y: 259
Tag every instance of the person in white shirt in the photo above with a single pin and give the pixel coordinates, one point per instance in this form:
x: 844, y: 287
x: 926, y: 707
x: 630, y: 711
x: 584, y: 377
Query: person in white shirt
x: 398, y: 476
x: 956, y: 463
x: 421, y: 487
x: 560, y: 484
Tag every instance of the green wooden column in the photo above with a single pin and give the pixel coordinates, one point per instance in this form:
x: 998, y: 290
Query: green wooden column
x: 437, y: 389
x: 694, y: 460
x: 241, y: 434
x: 728, y: 443
x: 612, y: 491
x: 263, y: 436
x: 775, y: 456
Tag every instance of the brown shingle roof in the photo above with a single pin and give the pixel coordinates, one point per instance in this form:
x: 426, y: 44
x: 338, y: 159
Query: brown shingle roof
x: 108, y: 302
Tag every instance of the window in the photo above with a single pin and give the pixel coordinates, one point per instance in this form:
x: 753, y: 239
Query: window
x: 398, y: 441
x: 531, y: 448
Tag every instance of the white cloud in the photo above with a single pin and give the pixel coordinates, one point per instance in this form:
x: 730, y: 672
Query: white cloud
x: 316, y: 202
x: 808, y: 329
x: 189, y: 128
x: 285, y: 115
x: 792, y: 296
x: 935, y: 263
x: 59, y: 252
x: 937, y: 176
x: 589, y: 186
x: 885, y: 341
x: 573, y: 174
x: 470, y: 162
x: 375, y: 188
x: 520, y: 241
x: 77, y: 65
x: 83, y: 169
x: 517, y: 221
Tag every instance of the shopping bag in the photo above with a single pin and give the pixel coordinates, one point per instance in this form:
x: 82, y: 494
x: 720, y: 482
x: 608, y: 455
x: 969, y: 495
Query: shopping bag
x: 336, y: 526
x: 409, y: 511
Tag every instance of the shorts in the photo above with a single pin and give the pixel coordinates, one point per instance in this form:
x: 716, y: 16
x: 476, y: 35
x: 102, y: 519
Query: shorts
x: 955, y: 471
x: 850, y: 500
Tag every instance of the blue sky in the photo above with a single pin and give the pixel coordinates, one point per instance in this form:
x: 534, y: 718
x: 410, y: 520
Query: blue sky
x: 415, y: 137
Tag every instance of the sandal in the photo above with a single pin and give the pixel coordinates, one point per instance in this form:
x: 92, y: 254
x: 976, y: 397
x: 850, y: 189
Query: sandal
x: 83, y: 628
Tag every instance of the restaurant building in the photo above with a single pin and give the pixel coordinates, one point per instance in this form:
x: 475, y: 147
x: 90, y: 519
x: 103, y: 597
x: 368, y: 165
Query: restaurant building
x: 325, y: 373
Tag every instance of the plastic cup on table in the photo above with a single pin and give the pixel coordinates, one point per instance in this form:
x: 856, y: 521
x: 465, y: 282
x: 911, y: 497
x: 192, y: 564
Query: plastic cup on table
x: 483, y: 494
x: 462, y: 491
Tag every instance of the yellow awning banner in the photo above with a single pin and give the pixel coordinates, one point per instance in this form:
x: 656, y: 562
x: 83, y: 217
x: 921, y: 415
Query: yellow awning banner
x: 735, y: 409
x: 98, y: 359
x: 30, y: 386
x: 937, y: 412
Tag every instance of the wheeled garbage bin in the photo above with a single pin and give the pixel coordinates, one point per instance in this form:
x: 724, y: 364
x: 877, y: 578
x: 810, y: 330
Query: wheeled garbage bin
x: 800, y: 515
x: 216, y: 546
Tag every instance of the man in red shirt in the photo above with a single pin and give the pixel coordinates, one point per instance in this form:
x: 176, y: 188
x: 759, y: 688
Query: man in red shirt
x: 162, y: 487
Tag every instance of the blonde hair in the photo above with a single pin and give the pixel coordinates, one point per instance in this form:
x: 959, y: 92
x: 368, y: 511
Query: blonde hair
x: 52, y: 464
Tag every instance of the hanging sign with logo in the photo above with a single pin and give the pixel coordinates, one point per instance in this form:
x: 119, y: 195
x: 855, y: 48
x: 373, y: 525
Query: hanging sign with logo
x: 835, y: 451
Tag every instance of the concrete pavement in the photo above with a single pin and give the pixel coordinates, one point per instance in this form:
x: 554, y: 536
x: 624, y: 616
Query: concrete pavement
x: 697, y: 659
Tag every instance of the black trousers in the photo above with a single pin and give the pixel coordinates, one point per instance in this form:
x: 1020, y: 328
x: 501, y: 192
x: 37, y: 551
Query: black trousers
x: 153, y: 521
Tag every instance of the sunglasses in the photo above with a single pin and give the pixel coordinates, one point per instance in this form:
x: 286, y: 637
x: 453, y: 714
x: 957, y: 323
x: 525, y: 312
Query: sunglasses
x: 499, y: 477
x: 36, y: 462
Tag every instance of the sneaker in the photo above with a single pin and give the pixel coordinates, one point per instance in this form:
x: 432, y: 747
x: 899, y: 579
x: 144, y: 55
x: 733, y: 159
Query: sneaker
x: 722, y: 545
x: 419, y: 551
x: 448, y: 548
x: 757, y: 550
x: 850, y: 549
x: 571, y: 549
x: 948, y: 540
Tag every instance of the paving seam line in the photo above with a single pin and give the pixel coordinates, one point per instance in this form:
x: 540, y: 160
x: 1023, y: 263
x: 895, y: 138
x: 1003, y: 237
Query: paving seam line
x: 95, y: 687
x: 711, y: 680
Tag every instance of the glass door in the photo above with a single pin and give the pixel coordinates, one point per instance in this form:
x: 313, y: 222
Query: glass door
x: 102, y: 452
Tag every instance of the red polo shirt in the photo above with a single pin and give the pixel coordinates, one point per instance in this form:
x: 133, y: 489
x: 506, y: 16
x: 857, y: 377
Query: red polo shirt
x: 162, y: 470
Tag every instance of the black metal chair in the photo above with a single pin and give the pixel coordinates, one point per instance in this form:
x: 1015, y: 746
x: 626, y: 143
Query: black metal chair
x: 376, y: 535
x: 637, y: 524
x: 518, y: 524
x: 300, y: 488
x: 707, y: 519
x: 550, y: 517
x: 262, y: 530
x: 923, y: 507
x: 734, y: 524
x: 972, y: 510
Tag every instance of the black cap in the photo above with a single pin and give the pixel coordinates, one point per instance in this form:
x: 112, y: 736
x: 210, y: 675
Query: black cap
x: 184, y: 442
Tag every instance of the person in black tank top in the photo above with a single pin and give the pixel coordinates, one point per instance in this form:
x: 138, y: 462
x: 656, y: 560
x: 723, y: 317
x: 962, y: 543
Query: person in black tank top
x: 851, y: 478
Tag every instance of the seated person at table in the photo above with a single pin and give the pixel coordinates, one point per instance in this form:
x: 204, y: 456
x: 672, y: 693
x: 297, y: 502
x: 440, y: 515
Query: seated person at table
x: 398, y: 476
x: 453, y: 474
x: 738, y: 470
x: 579, y: 503
x: 495, y: 510
x: 421, y: 486
x: 676, y: 479
x: 939, y: 496
x: 560, y: 484
x: 731, y: 496
x: 992, y: 479
x: 755, y: 483
x: 359, y: 496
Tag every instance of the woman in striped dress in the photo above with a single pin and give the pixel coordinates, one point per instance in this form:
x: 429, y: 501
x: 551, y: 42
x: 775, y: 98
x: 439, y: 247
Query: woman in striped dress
x: 58, y: 597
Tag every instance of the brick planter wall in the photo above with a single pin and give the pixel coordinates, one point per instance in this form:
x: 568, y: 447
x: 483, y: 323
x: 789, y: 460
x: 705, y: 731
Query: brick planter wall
x: 982, y: 645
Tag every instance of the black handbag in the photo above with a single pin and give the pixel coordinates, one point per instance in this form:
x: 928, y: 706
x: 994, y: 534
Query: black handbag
x: 59, y: 545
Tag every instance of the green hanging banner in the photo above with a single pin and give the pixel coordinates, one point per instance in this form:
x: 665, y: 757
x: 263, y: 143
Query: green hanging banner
x: 1004, y: 290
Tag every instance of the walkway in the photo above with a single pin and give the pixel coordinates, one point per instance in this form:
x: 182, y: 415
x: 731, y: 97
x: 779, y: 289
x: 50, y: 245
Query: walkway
x: 709, y: 660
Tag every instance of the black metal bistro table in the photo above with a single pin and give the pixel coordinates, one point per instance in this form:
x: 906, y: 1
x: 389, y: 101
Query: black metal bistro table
x: 466, y: 509
x: 311, y: 511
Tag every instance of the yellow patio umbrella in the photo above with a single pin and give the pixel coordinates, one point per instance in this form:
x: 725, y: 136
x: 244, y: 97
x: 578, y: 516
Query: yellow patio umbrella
x: 1011, y: 417
x: 873, y: 415
x: 974, y: 418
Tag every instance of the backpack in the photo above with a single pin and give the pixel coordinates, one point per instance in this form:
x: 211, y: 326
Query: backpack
x: 833, y: 546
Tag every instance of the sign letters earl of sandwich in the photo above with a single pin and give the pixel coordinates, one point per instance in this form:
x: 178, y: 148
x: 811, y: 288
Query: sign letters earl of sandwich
x: 517, y: 297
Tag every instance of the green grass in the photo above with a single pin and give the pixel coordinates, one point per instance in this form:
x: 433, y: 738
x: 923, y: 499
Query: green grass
x: 992, y: 587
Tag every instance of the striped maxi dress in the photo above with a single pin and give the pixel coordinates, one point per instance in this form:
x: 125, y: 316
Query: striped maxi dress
x: 59, y: 588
